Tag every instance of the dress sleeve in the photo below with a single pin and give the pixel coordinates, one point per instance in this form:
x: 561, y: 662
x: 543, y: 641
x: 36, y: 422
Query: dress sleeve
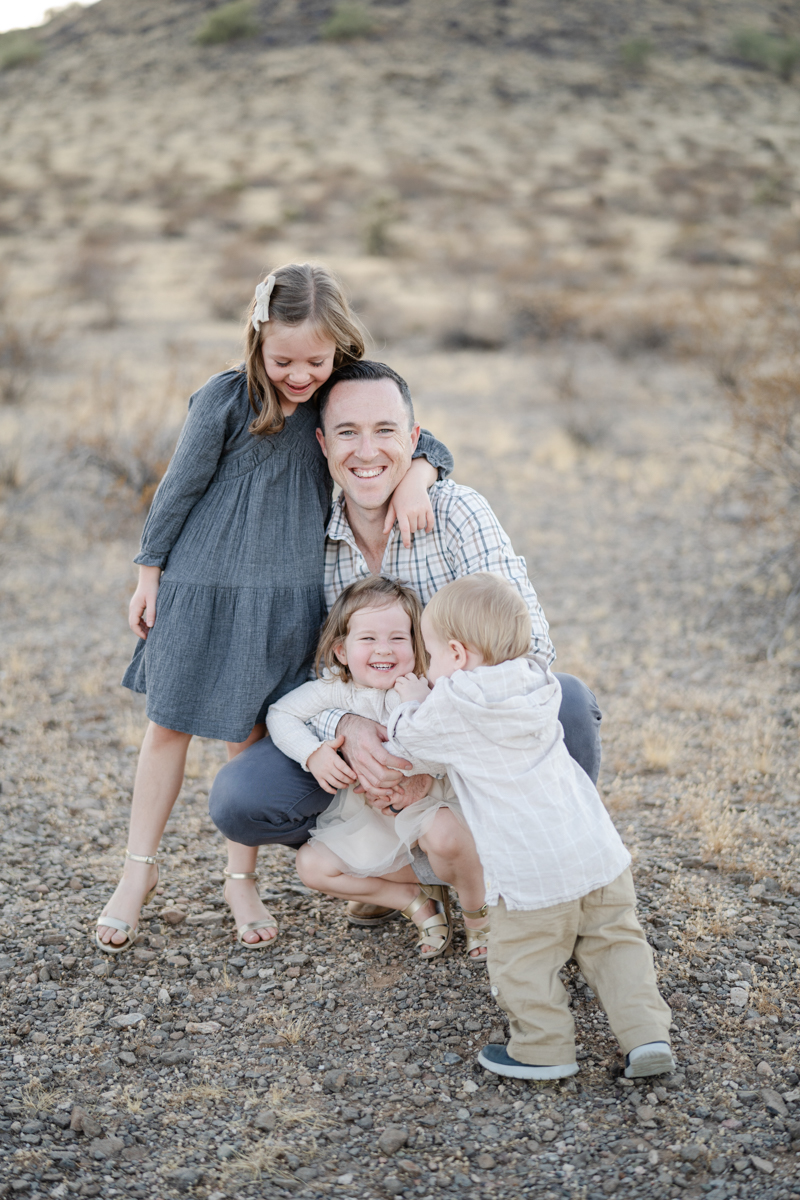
x: 476, y: 541
x: 190, y: 471
x: 436, y: 453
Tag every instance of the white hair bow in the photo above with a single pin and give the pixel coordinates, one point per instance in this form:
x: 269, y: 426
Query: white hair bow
x: 261, y: 310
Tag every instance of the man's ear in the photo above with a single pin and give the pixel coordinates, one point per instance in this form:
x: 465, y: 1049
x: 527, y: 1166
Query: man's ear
x: 339, y: 649
x: 415, y: 432
x: 321, y: 440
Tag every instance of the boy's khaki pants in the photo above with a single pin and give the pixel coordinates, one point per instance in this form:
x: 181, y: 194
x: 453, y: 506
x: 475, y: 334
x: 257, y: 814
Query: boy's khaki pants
x: 601, y: 931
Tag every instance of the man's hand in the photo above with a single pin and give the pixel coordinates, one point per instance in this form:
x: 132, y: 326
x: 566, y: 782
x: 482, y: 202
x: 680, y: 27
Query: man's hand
x: 411, y: 789
x: 142, y: 608
x: 329, y: 768
x: 412, y: 687
x: 378, y: 771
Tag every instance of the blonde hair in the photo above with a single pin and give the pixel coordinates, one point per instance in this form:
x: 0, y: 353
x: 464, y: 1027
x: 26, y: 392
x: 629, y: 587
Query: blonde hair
x: 485, y: 613
x: 376, y: 591
x: 302, y: 292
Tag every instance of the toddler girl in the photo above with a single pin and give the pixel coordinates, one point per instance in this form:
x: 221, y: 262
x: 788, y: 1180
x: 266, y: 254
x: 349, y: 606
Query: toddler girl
x: 557, y: 875
x: 230, y: 594
x: 370, y: 640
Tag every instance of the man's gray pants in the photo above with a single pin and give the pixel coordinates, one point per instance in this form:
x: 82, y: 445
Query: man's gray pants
x: 263, y: 798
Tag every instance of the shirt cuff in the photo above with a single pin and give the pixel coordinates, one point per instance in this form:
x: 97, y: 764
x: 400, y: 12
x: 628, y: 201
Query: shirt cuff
x: 324, y: 724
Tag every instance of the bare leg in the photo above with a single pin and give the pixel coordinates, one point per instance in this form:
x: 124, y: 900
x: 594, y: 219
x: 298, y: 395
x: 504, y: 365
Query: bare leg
x: 452, y: 854
x: 159, y: 775
x: 242, y: 894
x: 321, y: 870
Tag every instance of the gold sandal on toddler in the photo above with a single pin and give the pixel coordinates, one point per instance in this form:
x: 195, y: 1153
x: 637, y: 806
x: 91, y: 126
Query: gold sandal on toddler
x: 123, y: 926
x: 436, y: 930
x: 249, y: 926
x: 477, y: 938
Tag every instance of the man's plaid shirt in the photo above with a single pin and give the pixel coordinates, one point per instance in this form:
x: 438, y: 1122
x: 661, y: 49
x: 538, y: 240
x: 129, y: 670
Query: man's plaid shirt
x: 467, y: 538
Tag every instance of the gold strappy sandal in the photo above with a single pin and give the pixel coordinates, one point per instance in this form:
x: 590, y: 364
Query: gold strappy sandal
x: 436, y: 931
x: 477, y: 938
x: 123, y: 926
x: 251, y: 925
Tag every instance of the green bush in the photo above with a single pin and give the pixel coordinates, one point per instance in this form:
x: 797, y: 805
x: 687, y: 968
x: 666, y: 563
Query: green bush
x: 18, y: 48
x: 768, y: 50
x: 348, y: 21
x: 229, y: 23
x: 635, y: 54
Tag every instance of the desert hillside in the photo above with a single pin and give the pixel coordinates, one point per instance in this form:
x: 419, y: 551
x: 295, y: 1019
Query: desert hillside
x: 575, y: 229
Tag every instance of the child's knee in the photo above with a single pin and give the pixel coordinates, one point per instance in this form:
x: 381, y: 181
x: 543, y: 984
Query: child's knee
x: 308, y: 865
x: 445, y: 837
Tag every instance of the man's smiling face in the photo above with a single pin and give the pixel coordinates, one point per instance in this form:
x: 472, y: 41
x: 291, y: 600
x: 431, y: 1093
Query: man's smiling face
x: 368, y: 440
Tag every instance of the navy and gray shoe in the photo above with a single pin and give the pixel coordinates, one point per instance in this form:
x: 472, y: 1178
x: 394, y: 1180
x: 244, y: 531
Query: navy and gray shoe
x: 498, y: 1060
x: 653, y: 1058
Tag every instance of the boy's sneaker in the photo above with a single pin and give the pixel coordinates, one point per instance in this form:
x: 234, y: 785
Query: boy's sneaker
x: 653, y: 1058
x: 497, y: 1059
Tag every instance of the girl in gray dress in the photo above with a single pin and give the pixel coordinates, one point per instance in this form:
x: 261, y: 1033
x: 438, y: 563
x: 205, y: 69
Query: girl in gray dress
x: 230, y: 600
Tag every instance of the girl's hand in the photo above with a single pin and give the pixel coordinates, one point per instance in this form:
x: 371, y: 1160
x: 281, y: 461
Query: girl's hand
x: 329, y: 768
x: 142, y: 608
x: 409, y: 505
x: 412, y: 687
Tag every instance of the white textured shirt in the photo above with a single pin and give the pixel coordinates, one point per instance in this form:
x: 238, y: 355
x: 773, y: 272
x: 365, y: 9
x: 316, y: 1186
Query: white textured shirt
x: 467, y: 537
x: 541, y: 830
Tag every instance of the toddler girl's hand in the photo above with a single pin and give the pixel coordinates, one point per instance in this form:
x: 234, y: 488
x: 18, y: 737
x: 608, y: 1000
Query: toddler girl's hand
x: 329, y: 769
x: 411, y: 687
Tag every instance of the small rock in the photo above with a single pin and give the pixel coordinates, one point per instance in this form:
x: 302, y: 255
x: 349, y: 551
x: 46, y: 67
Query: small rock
x: 296, y: 960
x: 469, y: 1086
x: 83, y: 1122
x: 718, y: 1165
x: 485, y: 1162
x: 108, y: 1147
x: 107, y: 1066
x: 173, y: 916
x: 761, y: 1164
x: 204, y: 918
x: 266, y: 1120
x: 497, y: 1037
x: 334, y: 1081
x: 392, y: 1139
x: 739, y: 997
x: 450, y: 1058
x: 341, y: 1029
x: 203, y: 1027
x: 412, y: 1071
x: 126, y: 1057
x: 610, y: 1186
x: 645, y: 1112
x: 183, y: 1178
x: 126, y: 1020
x: 774, y: 1102
x: 134, y: 1154
x: 690, y: 1153
x: 225, y: 1152
x: 764, y: 1068
x: 305, y: 1174
x: 461, y: 1181
x: 346, y: 1179
x: 39, y: 1038
x: 178, y: 961
x: 393, y: 1186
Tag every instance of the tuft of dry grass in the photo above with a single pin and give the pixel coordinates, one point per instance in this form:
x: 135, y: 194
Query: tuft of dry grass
x: 269, y: 1160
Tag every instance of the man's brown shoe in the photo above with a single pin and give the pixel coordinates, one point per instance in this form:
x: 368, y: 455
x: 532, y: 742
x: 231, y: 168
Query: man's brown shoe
x: 369, y: 915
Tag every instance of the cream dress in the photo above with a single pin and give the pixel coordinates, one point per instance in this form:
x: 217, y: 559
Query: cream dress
x: 366, y: 842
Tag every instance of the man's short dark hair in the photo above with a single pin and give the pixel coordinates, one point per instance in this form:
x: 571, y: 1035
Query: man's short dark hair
x: 363, y: 371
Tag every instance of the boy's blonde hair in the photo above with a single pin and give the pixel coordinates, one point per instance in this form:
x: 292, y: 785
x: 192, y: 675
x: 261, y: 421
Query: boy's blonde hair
x: 375, y: 591
x: 302, y: 292
x: 485, y: 613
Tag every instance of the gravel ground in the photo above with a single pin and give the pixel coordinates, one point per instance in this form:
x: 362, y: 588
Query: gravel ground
x: 338, y: 1063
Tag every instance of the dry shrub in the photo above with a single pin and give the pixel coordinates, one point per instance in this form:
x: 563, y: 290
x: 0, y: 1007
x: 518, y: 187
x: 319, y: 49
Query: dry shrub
x: 759, y: 368
x: 94, y: 276
x: 240, y: 266
x: 23, y: 348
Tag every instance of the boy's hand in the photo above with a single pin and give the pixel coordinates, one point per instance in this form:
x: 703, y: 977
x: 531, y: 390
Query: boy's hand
x: 329, y: 769
x: 412, y: 687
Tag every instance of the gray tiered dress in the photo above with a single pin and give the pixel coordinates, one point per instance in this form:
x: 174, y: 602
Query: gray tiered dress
x: 238, y: 526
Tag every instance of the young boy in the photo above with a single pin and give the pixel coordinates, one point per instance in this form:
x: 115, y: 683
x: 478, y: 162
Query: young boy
x: 557, y: 875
